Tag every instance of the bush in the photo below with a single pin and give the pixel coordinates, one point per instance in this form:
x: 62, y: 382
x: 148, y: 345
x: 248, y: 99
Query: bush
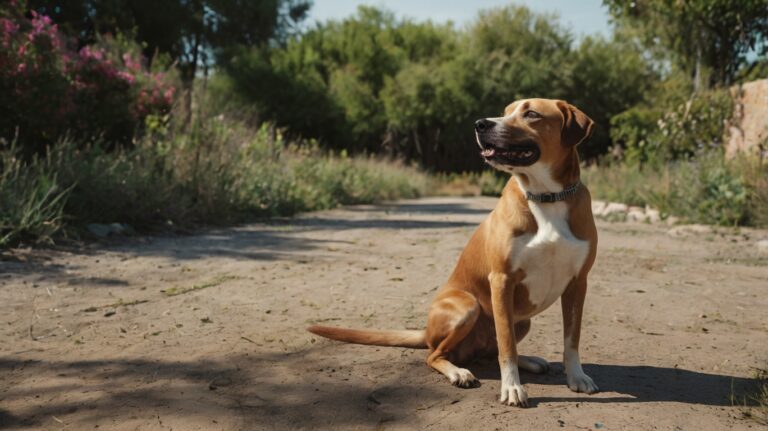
x: 49, y: 89
x: 31, y: 199
x: 673, y: 126
x: 220, y: 173
x: 372, y: 83
x: 705, y: 189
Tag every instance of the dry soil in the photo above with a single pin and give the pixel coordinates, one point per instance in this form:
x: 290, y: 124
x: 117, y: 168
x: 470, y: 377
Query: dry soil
x: 208, y: 331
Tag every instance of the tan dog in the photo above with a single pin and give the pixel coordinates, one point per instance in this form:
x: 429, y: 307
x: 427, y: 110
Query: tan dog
x: 536, y: 246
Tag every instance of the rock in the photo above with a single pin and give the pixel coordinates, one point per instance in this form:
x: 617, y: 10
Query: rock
x: 652, y: 215
x: 598, y: 207
x: 636, y: 216
x: 672, y: 220
x: 762, y: 246
x: 690, y: 229
x: 748, y: 127
x: 614, y: 211
x: 98, y: 229
x: 110, y: 312
x: 104, y: 230
x: 614, y: 208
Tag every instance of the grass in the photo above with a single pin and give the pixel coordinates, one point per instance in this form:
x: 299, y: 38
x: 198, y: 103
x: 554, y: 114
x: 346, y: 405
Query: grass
x: 220, y: 172
x: 31, y: 200
x: 708, y: 189
x: 486, y: 183
x: 754, y: 406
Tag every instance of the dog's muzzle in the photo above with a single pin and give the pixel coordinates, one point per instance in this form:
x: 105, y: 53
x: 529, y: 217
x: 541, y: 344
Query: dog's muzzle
x: 497, y: 147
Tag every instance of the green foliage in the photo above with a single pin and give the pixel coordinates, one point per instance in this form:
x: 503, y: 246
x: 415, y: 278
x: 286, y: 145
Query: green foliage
x: 705, y: 189
x: 372, y: 83
x: 187, y: 31
x: 31, y: 199
x: 677, y: 129
x: 220, y: 173
x: 48, y: 89
x: 703, y: 37
x: 608, y: 78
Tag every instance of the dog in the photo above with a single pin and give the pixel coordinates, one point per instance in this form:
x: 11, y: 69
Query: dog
x: 537, y: 245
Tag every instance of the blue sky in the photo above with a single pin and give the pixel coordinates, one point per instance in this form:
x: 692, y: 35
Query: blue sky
x: 580, y: 16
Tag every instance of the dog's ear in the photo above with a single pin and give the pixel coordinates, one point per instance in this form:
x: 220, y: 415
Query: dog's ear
x: 577, y: 127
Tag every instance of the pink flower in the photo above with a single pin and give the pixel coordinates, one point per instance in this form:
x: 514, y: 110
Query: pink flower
x: 8, y: 27
x: 88, y: 53
x: 21, y: 68
x: 22, y: 50
x: 130, y: 63
x: 127, y: 77
x: 168, y: 95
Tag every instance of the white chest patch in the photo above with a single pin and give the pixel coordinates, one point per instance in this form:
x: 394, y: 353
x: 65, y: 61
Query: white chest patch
x: 551, y: 257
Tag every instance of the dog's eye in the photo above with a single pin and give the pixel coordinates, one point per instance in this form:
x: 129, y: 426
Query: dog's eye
x: 531, y: 115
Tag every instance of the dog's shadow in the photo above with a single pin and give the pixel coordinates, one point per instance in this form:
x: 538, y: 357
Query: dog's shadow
x: 637, y: 383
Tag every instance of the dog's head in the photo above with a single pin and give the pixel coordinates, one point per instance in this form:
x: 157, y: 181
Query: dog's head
x: 532, y: 131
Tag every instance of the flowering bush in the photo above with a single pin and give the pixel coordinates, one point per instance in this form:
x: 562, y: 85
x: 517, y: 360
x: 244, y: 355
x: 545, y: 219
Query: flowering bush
x: 49, y: 89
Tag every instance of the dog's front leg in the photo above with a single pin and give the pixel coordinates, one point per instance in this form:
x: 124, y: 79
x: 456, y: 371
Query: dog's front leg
x: 573, y: 306
x: 502, y: 297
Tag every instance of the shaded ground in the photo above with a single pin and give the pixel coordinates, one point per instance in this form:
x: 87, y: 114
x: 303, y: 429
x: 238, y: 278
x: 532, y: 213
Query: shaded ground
x: 673, y: 327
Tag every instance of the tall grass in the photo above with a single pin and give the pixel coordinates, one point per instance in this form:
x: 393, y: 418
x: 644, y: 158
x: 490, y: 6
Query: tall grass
x: 31, y: 199
x: 706, y: 189
x: 754, y: 403
x: 221, y: 172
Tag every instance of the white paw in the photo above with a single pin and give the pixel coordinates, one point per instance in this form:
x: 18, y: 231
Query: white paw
x: 582, y: 383
x: 533, y: 364
x: 513, y: 394
x: 463, y: 378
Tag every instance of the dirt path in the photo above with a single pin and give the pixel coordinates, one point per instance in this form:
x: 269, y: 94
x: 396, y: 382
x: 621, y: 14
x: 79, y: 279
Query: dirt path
x: 211, y: 331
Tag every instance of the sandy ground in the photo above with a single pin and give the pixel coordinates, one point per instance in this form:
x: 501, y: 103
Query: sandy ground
x: 210, y: 334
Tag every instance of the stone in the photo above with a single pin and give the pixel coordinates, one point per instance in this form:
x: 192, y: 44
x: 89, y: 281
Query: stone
x: 652, y: 215
x: 614, y: 208
x: 104, y: 230
x: 598, y: 207
x: 633, y: 215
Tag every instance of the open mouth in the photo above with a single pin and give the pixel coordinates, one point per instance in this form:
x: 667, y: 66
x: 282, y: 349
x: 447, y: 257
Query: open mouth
x: 516, y: 155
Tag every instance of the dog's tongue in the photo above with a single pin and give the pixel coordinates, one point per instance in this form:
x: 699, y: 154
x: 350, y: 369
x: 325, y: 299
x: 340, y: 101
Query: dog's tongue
x: 488, y: 152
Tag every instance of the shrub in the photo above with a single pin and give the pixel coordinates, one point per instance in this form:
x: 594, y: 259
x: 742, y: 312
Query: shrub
x: 673, y: 128
x: 705, y: 189
x: 49, y: 89
x: 31, y: 199
x: 220, y: 172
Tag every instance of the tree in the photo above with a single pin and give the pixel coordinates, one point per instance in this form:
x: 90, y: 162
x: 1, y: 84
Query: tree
x: 193, y: 33
x: 712, y: 37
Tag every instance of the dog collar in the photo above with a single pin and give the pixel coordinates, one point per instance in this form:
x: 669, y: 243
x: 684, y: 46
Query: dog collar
x: 553, y: 197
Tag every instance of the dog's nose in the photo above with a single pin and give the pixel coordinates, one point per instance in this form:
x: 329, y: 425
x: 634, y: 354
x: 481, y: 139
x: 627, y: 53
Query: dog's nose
x: 483, y: 125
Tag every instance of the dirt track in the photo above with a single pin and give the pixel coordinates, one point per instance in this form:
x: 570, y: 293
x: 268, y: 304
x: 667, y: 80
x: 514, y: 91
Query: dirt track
x: 673, y: 326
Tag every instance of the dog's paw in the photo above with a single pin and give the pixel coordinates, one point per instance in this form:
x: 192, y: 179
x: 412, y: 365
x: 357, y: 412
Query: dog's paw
x: 533, y: 364
x: 514, y: 395
x: 464, y: 378
x: 582, y: 383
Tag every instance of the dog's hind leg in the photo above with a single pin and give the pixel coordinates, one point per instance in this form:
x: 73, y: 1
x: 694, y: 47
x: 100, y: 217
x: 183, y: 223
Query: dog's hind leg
x: 532, y: 364
x: 451, y: 319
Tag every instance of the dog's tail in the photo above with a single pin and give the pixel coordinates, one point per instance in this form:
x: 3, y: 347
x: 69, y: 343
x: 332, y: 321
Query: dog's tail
x: 414, y: 339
